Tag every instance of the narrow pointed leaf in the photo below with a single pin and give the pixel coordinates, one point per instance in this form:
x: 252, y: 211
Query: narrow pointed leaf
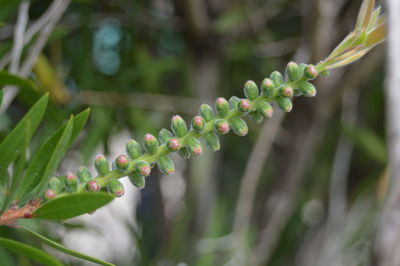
x: 72, y: 205
x: 364, y: 15
x: 344, y: 45
x: 66, y: 250
x: 376, y: 36
x: 349, y: 59
x: 14, y: 143
x: 29, y: 252
x: 374, y: 18
x: 56, y: 157
x: 42, y: 157
x: 7, y: 78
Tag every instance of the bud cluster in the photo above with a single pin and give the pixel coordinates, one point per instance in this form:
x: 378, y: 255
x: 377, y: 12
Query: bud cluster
x: 207, y: 125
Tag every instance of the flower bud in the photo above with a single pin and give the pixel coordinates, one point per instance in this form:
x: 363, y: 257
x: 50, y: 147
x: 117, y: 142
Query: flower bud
x: 206, y: 112
x: 244, y: 105
x: 115, y: 187
x: 166, y: 165
x: 267, y: 87
x: 49, y: 194
x: 174, y: 144
x: 286, y: 91
x: 221, y: 126
x: 238, y: 126
x: 233, y: 102
x: 284, y: 103
x: 264, y: 109
x: 83, y: 174
x: 292, y: 71
x: 222, y: 106
x: 133, y: 149
x: 178, y: 126
x: 256, y: 117
x: 102, y: 165
x: 198, y: 124
x: 307, y: 89
x: 194, y: 146
x: 72, y: 181
x: 310, y: 72
x: 150, y: 143
x: 55, y: 185
x: 251, y: 90
x: 122, y: 162
x: 93, y: 185
x: 212, y: 141
x: 164, y: 135
x: 184, y: 153
x: 137, y: 180
x: 276, y: 78
x: 142, y: 168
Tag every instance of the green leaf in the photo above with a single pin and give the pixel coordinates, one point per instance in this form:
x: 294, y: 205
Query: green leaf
x: 68, y: 251
x: 14, y: 143
x: 56, y: 156
x: 42, y: 157
x: 72, y: 205
x: 30, y: 252
x: 16, y: 179
x: 7, y: 78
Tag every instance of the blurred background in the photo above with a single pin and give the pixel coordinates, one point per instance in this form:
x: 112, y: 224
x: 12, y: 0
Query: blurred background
x: 302, y: 188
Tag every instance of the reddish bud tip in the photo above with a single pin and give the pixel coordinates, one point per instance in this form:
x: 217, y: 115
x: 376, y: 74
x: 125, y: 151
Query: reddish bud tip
x: 49, y: 194
x: 244, y: 105
x: 197, y: 151
x: 28, y: 215
x: 149, y: 137
x: 174, y: 144
x: 93, y: 185
x: 144, y: 170
x: 287, y: 91
x: 122, y: 162
x: 70, y: 176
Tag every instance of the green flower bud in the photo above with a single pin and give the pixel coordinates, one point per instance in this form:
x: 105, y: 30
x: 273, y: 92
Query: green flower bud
x: 244, y: 105
x: 302, y: 68
x: 166, y: 165
x: 221, y: 126
x: 286, y: 91
x: 178, y: 126
x: 285, y: 104
x: 307, y: 89
x: 133, y: 149
x: 276, y: 78
x: 55, y: 185
x: 206, y: 112
x: 256, y: 117
x: 83, y: 174
x: 222, y: 106
x: 142, y: 168
x: 72, y: 181
x: 233, y: 102
x: 49, y: 194
x: 267, y: 87
x: 93, y: 185
x: 122, y: 162
x: 184, y: 153
x: 174, y: 144
x: 115, y: 187
x: 265, y: 109
x: 194, y: 146
x: 137, y: 180
x: 310, y: 72
x: 238, y: 126
x: 164, y: 135
x: 102, y: 165
x: 212, y: 141
x: 150, y: 143
x: 198, y: 124
x: 251, y: 90
x: 292, y: 71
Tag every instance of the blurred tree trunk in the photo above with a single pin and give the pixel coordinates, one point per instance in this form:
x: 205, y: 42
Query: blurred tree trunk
x: 388, y: 233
